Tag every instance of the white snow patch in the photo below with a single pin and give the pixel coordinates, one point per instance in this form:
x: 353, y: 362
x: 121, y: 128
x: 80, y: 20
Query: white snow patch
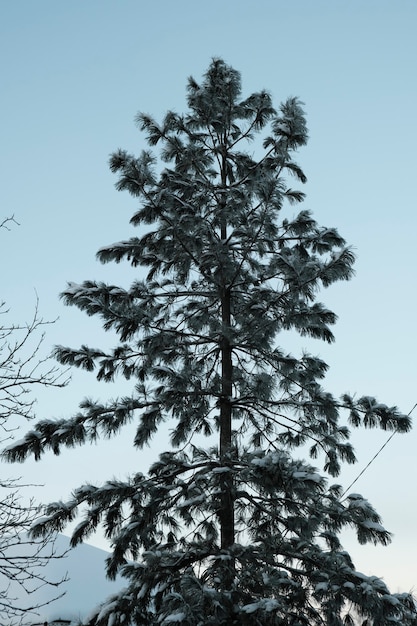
x: 308, y: 476
x: 174, y: 617
x: 106, y: 609
x: 349, y: 585
x: 266, y: 604
x: 373, y: 526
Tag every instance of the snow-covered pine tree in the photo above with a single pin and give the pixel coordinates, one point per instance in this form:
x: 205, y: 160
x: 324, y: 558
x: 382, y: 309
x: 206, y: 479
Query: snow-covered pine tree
x: 241, y: 531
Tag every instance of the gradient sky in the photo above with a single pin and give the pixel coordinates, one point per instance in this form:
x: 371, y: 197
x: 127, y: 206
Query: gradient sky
x: 73, y: 76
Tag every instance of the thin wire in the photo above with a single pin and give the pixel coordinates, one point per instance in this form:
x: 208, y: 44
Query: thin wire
x: 374, y: 457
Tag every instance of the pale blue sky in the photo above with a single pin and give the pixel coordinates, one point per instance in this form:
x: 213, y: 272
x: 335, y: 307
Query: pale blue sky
x: 74, y: 74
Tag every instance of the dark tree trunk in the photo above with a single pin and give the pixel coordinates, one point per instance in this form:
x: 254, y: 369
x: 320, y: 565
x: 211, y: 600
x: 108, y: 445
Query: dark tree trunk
x: 227, y: 515
x: 227, y: 505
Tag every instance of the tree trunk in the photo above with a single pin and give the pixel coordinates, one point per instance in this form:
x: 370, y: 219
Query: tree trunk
x: 227, y: 514
x: 227, y: 521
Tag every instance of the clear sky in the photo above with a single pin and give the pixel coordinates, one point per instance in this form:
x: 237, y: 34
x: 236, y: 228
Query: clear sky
x: 73, y: 76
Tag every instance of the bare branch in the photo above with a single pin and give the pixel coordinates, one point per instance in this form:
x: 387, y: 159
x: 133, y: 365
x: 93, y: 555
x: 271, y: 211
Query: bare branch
x: 22, y: 559
x: 7, y: 220
x: 22, y: 368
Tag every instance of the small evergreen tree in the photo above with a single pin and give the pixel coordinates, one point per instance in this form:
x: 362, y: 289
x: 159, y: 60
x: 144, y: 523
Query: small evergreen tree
x: 240, y: 531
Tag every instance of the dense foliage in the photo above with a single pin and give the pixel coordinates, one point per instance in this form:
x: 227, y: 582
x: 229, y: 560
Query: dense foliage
x: 239, y: 531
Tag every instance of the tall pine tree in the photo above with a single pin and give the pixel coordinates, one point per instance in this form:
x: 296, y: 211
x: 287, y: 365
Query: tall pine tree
x: 240, y: 531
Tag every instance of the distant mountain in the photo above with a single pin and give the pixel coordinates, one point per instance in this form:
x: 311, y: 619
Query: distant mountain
x: 85, y: 588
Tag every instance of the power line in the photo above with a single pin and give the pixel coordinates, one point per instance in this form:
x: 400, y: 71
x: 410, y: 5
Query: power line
x: 374, y: 457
